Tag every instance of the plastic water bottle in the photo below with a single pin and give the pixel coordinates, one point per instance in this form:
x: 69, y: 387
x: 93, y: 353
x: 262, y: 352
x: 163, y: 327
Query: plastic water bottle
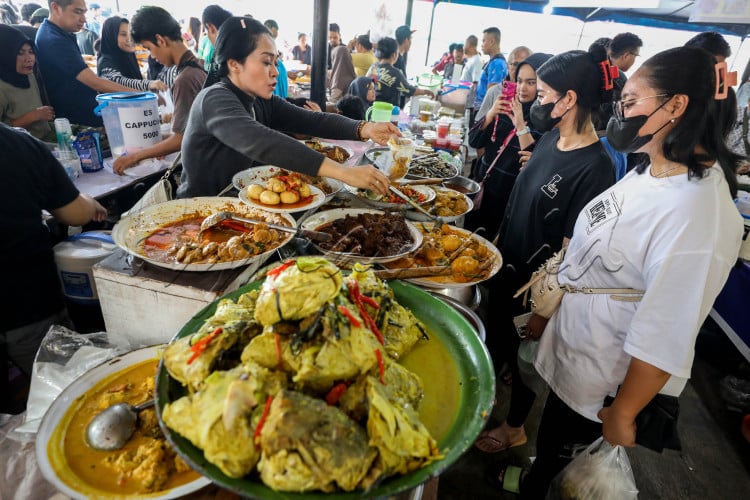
x: 395, y: 113
x: 64, y: 134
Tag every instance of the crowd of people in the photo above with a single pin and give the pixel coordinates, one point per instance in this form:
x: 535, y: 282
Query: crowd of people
x: 572, y: 154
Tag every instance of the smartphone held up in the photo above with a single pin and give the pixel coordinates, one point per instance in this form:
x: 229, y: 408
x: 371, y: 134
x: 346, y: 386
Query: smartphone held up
x: 509, y: 90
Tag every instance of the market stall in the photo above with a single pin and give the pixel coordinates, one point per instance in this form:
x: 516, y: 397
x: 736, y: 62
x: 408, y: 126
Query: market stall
x: 147, y: 301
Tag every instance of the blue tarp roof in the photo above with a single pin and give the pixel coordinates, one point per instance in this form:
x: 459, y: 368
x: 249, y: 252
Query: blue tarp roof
x: 639, y: 17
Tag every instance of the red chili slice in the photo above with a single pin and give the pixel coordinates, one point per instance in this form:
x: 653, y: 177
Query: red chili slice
x: 200, y: 346
x: 352, y: 319
x: 277, y: 270
x: 262, y: 421
x: 335, y: 393
x: 381, y: 365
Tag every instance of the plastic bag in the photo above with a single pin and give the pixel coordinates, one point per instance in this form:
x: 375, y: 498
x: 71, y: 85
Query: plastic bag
x: 601, y: 472
x: 63, y: 356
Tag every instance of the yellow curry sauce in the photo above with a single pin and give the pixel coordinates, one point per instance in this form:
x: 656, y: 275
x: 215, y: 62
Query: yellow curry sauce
x: 435, y: 366
x: 146, y: 464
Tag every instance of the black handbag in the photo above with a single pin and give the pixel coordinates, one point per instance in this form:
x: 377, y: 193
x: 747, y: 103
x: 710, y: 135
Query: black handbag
x: 656, y: 424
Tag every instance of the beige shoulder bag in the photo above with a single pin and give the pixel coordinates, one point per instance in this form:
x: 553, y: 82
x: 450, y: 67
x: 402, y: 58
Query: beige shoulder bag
x: 546, y: 293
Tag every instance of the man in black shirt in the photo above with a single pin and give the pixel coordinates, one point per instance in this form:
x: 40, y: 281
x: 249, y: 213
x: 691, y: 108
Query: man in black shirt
x: 33, y: 181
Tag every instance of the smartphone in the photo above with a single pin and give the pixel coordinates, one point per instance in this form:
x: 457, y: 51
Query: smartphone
x: 521, y: 322
x: 509, y: 90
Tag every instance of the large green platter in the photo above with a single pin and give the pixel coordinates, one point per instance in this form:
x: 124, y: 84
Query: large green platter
x: 477, y: 390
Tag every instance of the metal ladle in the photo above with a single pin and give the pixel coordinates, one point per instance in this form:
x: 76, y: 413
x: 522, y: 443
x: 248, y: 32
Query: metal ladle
x: 114, y: 426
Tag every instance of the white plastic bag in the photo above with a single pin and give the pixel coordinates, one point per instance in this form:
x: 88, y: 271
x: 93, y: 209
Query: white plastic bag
x: 601, y: 472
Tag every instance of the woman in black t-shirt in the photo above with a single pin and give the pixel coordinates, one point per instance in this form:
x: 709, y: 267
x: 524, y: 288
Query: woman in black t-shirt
x: 391, y: 81
x: 568, y: 168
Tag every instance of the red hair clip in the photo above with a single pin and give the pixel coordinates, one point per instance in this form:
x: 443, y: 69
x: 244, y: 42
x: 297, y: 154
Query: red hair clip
x: 610, y: 73
x: 724, y: 80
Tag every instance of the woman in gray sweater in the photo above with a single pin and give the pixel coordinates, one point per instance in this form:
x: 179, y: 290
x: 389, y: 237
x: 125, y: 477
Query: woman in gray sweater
x: 238, y: 122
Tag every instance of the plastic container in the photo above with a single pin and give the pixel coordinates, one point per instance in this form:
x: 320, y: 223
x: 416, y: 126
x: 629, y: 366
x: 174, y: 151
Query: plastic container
x: 64, y: 134
x: 75, y: 257
x: 402, y: 151
x: 454, y: 142
x: 430, y: 82
x: 379, y: 112
x: 443, y: 127
x: 70, y: 162
x: 131, y: 120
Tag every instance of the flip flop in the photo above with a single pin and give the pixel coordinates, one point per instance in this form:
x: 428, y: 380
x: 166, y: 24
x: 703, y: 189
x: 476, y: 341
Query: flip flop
x: 512, y: 476
x: 490, y: 444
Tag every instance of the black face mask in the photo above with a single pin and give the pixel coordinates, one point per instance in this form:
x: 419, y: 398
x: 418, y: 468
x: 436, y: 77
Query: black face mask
x: 622, y: 133
x: 539, y: 114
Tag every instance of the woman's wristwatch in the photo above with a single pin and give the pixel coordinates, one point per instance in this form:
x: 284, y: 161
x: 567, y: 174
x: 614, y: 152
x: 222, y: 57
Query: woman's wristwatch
x: 523, y: 131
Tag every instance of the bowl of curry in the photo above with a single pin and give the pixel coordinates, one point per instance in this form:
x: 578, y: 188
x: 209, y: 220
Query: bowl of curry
x: 146, y: 467
x: 168, y: 235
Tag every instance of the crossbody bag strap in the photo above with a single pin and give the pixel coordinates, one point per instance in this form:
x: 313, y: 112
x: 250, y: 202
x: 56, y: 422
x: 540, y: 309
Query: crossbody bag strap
x: 619, y: 294
x: 507, y: 140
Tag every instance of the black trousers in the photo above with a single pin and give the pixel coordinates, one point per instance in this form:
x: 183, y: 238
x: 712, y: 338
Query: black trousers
x: 562, y: 434
x: 503, y: 341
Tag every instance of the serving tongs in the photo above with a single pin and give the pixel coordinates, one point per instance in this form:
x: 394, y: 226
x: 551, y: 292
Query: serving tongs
x: 219, y: 217
x: 411, y: 202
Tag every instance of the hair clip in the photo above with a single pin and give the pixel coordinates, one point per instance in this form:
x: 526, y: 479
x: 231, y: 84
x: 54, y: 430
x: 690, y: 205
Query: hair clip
x: 724, y: 80
x: 242, y: 22
x: 610, y: 73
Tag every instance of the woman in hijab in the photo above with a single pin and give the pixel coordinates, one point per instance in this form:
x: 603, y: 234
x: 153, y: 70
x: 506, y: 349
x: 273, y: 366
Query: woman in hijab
x: 21, y: 103
x: 117, y: 62
x: 502, y: 131
x: 364, y: 88
x: 342, y: 72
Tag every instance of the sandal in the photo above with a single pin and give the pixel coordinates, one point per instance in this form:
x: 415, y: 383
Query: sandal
x: 488, y: 443
x: 508, y: 479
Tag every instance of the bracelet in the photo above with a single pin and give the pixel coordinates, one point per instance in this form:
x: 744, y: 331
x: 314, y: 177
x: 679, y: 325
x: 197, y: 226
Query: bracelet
x: 360, y: 127
x: 523, y: 131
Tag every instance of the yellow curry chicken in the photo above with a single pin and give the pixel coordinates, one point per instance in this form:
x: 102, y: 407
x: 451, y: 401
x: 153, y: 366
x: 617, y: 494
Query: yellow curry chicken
x: 315, y: 398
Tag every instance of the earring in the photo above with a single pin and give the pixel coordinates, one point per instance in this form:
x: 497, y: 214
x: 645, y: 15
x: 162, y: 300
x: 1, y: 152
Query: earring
x: 671, y: 121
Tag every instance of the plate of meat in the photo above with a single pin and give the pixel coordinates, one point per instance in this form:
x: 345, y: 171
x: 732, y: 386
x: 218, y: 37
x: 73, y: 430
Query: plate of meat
x: 364, y: 235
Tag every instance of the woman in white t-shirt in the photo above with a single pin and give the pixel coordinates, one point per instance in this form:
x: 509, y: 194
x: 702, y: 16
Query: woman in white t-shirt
x: 669, y: 228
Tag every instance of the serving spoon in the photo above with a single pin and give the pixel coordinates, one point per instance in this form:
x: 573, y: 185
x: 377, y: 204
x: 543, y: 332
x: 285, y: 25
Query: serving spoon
x: 114, y: 426
x: 217, y: 218
x: 411, y: 202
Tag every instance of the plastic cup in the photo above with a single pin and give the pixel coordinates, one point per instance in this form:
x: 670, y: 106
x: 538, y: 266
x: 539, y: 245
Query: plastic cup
x: 402, y: 151
x: 70, y: 162
x: 443, y: 128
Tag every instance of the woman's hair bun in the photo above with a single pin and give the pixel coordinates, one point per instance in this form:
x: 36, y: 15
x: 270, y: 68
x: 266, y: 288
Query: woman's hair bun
x: 599, y: 55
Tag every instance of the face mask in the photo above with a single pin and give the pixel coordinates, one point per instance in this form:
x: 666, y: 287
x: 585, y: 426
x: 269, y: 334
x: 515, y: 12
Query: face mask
x: 539, y: 114
x: 622, y: 133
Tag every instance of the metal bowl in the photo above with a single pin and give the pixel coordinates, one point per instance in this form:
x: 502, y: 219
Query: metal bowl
x: 466, y: 311
x: 462, y: 185
x: 469, y: 296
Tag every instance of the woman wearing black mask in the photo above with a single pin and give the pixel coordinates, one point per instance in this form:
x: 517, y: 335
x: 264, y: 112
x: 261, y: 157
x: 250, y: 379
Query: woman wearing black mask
x: 668, y: 228
x: 502, y: 129
x: 568, y: 168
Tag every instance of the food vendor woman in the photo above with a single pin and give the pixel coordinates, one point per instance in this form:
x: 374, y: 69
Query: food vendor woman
x: 238, y: 122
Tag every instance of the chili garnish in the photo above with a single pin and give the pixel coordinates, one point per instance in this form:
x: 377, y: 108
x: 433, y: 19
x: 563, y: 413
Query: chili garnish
x: 262, y: 420
x: 236, y: 226
x: 381, y: 365
x: 352, y: 319
x: 273, y: 273
x: 200, y: 346
x: 369, y: 301
x: 356, y: 297
x: 335, y: 393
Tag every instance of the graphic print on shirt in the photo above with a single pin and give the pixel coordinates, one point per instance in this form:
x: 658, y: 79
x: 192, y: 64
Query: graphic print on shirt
x: 550, y: 189
x: 602, y: 211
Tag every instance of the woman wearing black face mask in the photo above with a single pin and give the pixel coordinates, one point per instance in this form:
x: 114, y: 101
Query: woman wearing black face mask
x: 670, y: 229
x: 568, y: 168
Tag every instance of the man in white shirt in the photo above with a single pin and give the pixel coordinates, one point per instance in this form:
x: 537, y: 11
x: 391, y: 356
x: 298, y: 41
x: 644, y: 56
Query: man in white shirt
x: 472, y: 60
